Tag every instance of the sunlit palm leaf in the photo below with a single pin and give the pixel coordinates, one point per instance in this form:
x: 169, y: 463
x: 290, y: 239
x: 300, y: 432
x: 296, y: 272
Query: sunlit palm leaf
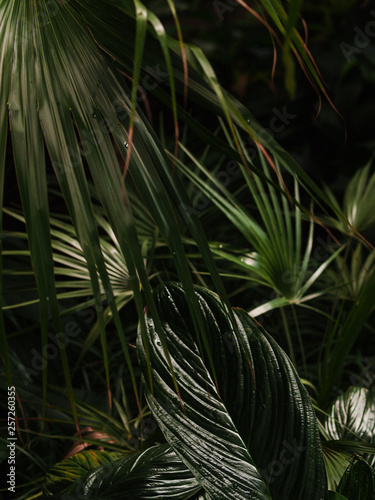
x: 70, y: 262
x: 203, y: 85
x: 351, y: 271
x: 278, y: 259
x: 358, y: 204
x: 155, y: 473
x: 78, y: 105
x: 336, y: 464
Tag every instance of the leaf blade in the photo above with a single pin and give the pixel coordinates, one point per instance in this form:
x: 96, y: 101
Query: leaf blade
x: 239, y: 410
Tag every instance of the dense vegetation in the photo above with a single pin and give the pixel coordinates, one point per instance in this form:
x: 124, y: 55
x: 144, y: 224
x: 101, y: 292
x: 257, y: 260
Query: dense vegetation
x: 187, y: 249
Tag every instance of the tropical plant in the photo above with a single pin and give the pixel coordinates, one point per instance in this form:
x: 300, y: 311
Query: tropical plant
x: 240, y: 424
x: 102, y: 205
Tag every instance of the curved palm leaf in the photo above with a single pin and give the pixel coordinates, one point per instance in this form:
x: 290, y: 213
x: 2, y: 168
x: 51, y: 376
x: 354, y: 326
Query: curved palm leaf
x: 65, y: 92
x: 64, y: 473
x: 351, y: 275
x: 358, y: 203
x: 336, y: 463
x: 280, y: 260
x: 155, y: 473
x: 63, y: 89
x: 70, y: 263
x: 203, y: 86
x: 358, y: 482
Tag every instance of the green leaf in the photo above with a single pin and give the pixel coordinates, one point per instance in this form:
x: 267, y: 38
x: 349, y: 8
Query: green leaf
x: 336, y: 463
x: 281, y: 259
x: 67, y: 97
x: 341, y: 343
x: 333, y: 495
x: 358, y: 204
x: 116, y: 34
x: 5, y: 58
x: 155, y: 473
x: 352, y: 417
x: 358, y: 481
x: 61, y: 476
x: 254, y: 434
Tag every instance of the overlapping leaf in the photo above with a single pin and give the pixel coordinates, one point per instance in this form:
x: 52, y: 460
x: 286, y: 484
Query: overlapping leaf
x: 358, y: 203
x: 352, y: 417
x: 155, y: 473
x: 358, y: 481
x: 204, y: 87
x: 280, y: 259
x: 226, y: 432
x: 64, y: 93
x: 66, y: 472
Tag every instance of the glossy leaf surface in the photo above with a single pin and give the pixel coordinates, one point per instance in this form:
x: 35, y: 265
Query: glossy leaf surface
x: 225, y: 431
x: 352, y: 417
x: 358, y: 481
x: 64, y: 473
x: 155, y: 473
